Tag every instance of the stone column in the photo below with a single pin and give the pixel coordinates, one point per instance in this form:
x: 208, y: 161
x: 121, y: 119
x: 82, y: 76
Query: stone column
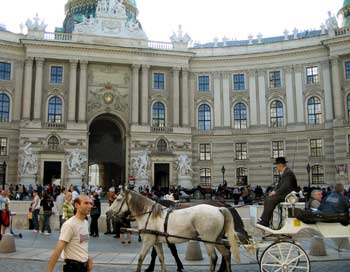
x: 176, y: 96
x: 262, y: 97
x: 193, y: 111
x: 289, y: 95
x: 337, y: 94
x: 226, y: 99
x: 185, y: 105
x: 327, y: 86
x: 135, y: 93
x: 299, y: 97
x: 17, y: 108
x: 39, y: 64
x: 72, y: 90
x: 83, y: 91
x: 252, y: 98
x: 27, y: 92
x: 217, y: 99
x: 144, y: 95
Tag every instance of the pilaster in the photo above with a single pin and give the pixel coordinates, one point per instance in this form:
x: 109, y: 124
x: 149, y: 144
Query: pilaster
x: 27, y: 89
x: 72, y: 90
x: 83, y: 91
x: 253, y: 98
x: 185, y: 98
x: 39, y: 64
x: 176, y: 96
x: 135, y: 93
x: 144, y: 95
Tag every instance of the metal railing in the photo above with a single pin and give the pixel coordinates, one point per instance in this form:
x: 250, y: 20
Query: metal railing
x: 162, y: 129
x: 160, y: 45
x: 54, y: 125
x: 56, y: 36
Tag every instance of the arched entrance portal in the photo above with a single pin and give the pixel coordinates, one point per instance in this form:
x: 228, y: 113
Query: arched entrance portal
x: 106, y: 152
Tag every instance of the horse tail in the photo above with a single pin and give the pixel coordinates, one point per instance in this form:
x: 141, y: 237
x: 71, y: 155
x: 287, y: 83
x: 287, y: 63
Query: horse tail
x: 231, y: 235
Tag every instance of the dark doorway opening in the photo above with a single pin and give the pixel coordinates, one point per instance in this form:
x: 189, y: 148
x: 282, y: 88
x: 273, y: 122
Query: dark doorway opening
x: 106, y: 152
x: 161, y: 175
x: 52, y: 172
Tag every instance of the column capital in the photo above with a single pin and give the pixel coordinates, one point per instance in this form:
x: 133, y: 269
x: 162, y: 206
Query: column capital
x: 334, y: 60
x: 135, y: 66
x: 261, y: 72
x: 251, y: 72
x: 146, y: 67
x: 83, y: 63
x: 288, y: 69
x: 298, y: 68
x: 185, y: 71
x: 39, y: 61
x: 73, y: 62
x: 176, y: 69
x: 29, y: 61
x: 226, y: 75
x: 216, y: 75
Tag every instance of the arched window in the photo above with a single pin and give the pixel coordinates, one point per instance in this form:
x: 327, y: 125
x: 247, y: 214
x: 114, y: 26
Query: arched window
x: 204, y: 117
x: 4, y: 108
x: 158, y: 115
x: 55, y: 110
x: 162, y: 145
x: 317, y: 175
x: 276, y: 114
x: 276, y: 176
x: 348, y: 106
x: 53, y: 143
x: 240, y: 116
x: 314, y: 111
x: 242, y: 176
x: 205, y: 177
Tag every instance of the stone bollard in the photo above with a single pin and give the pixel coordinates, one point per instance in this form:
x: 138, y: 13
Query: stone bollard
x: 317, y: 247
x: 7, y: 244
x: 193, y: 252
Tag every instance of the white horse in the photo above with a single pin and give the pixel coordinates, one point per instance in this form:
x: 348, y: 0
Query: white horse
x: 203, y: 221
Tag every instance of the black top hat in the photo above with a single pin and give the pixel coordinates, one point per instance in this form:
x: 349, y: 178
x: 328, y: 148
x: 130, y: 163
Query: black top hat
x: 280, y: 160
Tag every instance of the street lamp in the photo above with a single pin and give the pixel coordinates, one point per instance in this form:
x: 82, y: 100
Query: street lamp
x: 3, y: 174
x: 308, y: 169
x: 223, y: 173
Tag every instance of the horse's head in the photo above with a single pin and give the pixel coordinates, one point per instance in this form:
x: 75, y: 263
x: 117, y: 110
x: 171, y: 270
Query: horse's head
x: 120, y: 205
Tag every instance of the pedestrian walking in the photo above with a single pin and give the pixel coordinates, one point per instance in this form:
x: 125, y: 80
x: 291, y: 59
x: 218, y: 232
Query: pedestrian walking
x: 74, y: 240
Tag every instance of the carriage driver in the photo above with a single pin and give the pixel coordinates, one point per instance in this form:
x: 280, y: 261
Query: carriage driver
x: 286, y: 184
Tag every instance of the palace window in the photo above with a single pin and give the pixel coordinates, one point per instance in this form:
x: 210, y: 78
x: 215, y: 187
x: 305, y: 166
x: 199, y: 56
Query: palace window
x: 277, y: 149
x: 241, y: 151
x: 316, y: 148
x: 5, y: 71
x: 314, y: 111
x: 53, y: 143
x: 276, y: 114
x: 56, y: 74
x: 205, y: 177
x: 276, y: 176
x: 162, y: 146
x: 347, y: 70
x: 348, y: 107
x: 275, y: 79
x: 242, y: 176
x: 158, y: 81
x: 204, y: 152
x: 312, y: 75
x: 317, y: 174
x: 204, y: 117
x: 3, y: 146
x: 240, y: 116
x: 4, y: 108
x: 55, y: 110
x: 158, y: 115
x: 203, y: 83
x: 238, y: 82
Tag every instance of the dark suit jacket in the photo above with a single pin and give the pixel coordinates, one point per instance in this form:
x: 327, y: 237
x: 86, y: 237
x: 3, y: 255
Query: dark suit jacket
x: 287, y: 183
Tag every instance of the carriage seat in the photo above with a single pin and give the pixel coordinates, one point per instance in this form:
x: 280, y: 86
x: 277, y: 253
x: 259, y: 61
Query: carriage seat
x: 311, y: 217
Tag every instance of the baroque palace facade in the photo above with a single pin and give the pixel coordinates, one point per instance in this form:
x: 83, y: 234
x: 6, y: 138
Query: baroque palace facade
x: 99, y: 89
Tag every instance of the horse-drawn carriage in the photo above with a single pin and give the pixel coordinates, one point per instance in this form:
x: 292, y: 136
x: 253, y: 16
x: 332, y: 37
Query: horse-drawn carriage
x: 284, y: 252
x: 281, y: 251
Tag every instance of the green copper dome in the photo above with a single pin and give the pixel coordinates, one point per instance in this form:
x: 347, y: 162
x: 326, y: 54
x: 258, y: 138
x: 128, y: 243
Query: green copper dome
x: 345, y: 13
x: 76, y: 9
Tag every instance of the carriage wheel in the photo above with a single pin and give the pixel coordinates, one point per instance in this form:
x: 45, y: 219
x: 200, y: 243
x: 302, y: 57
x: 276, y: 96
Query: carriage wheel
x: 276, y: 221
x: 284, y: 256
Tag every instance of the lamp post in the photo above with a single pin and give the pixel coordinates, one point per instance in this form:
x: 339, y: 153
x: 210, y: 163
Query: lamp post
x: 308, y: 169
x: 3, y: 174
x: 223, y: 173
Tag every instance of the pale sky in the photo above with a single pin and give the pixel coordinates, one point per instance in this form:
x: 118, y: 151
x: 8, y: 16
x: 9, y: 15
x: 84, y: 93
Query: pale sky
x: 202, y: 20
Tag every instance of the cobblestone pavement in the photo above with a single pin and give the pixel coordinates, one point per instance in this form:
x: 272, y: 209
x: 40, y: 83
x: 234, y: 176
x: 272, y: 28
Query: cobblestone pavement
x: 39, y: 266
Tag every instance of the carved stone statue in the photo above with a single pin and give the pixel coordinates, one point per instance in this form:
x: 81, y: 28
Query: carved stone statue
x: 35, y: 25
x: 75, y: 162
x: 29, y: 162
x: 331, y: 22
x: 184, y: 165
x: 140, y: 165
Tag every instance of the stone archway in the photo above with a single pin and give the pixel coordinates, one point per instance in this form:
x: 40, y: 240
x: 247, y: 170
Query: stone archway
x: 107, y: 151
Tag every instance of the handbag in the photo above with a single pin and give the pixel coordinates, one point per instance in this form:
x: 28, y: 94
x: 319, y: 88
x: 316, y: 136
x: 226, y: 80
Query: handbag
x: 94, y: 211
x: 5, y: 218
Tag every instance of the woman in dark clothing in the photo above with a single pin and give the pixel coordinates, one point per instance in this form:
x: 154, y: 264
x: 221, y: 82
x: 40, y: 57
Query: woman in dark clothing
x: 95, y: 214
x: 47, y: 204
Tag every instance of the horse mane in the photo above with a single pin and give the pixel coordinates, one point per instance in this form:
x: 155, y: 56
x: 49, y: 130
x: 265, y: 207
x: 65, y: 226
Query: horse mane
x: 141, y: 204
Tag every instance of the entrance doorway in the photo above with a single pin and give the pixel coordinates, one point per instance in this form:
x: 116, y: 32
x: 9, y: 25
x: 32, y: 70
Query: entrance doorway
x: 161, y: 175
x: 106, y: 152
x: 52, y: 172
